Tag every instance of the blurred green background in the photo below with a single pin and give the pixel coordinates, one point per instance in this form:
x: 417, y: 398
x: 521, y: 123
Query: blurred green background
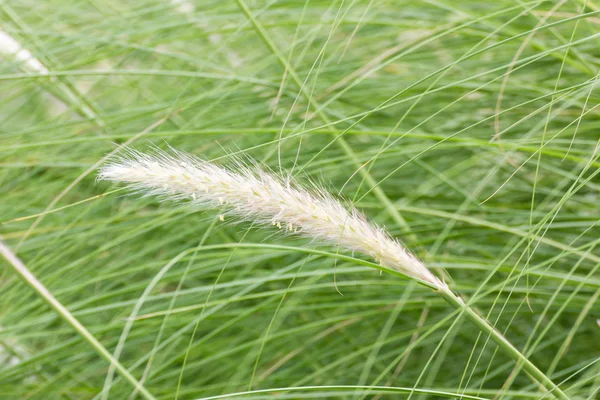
x: 469, y: 130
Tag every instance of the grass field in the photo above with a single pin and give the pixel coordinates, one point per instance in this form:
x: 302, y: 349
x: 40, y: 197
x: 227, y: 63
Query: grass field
x: 469, y: 129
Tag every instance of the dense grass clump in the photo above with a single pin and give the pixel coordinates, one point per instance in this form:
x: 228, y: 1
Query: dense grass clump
x: 469, y: 130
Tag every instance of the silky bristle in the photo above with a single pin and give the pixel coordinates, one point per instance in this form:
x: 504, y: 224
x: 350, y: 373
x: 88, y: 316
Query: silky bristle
x: 252, y: 194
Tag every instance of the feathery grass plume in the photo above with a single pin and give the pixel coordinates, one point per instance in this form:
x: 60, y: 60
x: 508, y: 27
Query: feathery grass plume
x: 256, y: 195
x: 12, y: 48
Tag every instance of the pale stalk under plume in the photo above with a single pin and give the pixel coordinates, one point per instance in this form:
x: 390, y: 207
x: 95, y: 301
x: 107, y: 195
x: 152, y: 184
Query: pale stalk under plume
x: 252, y: 194
x: 30, y: 279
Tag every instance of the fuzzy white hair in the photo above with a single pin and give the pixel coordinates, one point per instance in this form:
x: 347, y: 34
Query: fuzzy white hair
x: 253, y: 194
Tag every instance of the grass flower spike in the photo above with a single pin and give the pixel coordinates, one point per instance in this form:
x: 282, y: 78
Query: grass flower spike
x: 255, y: 195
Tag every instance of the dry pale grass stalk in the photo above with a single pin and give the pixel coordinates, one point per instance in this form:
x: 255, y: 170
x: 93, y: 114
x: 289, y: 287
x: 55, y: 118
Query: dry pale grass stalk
x: 253, y: 194
x: 11, y: 48
x: 30, y: 279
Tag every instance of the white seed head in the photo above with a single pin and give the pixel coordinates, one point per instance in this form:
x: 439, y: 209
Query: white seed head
x: 253, y: 194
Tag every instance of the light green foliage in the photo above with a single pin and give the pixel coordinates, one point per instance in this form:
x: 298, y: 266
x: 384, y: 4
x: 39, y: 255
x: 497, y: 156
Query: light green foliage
x: 469, y: 130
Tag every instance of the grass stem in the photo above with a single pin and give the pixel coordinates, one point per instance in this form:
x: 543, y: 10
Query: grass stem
x: 503, y: 343
x: 30, y: 279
